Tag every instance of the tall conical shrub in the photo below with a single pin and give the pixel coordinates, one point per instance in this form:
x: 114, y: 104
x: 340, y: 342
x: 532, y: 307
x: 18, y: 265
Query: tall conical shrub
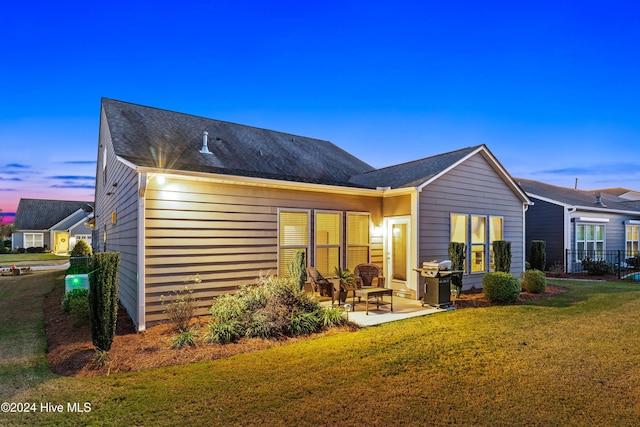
x: 456, y: 256
x: 502, y: 255
x: 103, y: 299
x: 538, y: 255
x: 297, y: 269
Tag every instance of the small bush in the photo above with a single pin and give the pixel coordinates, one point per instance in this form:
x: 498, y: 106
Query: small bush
x: 502, y: 255
x: 81, y: 249
x: 4, y: 249
x: 598, y: 267
x: 76, y: 303
x: 634, y: 261
x: 533, y: 281
x: 184, y: 338
x: 35, y: 250
x: 332, y: 316
x: 275, y: 307
x: 71, y: 295
x: 180, y: 308
x: 500, y: 287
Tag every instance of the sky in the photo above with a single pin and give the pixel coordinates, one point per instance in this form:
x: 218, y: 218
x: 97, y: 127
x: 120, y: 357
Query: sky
x: 551, y: 87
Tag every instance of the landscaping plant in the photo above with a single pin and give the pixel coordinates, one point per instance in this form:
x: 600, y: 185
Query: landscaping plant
x: 502, y: 255
x: 538, y: 257
x: 103, y: 299
x: 533, y: 281
x: 297, y: 269
x: 598, y: 267
x: 180, y: 307
x: 76, y: 303
x: 81, y: 249
x: 499, y: 286
x: 456, y: 255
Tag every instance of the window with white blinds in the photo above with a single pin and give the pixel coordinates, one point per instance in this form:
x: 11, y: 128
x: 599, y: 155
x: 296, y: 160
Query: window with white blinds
x: 328, y: 241
x: 293, y: 235
x: 358, y: 239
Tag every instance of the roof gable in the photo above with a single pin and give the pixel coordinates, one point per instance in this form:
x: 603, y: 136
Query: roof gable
x: 582, y: 199
x: 39, y: 214
x: 156, y: 138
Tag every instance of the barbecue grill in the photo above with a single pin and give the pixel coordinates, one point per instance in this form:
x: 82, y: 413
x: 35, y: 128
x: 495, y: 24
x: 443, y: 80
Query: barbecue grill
x: 437, y: 283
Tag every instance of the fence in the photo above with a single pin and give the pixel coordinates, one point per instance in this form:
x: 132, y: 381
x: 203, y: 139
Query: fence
x: 603, y: 263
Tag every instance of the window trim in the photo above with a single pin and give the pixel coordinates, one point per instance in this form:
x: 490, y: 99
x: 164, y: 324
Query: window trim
x: 578, y: 251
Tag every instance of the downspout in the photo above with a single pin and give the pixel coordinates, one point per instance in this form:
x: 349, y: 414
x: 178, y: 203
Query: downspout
x: 142, y: 190
x: 525, y: 208
x: 415, y: 231
x: 567, y: 237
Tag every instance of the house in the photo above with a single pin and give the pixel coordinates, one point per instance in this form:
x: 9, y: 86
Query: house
x: 179, y: 195
x: 578, y: 224
x: 55, y: 225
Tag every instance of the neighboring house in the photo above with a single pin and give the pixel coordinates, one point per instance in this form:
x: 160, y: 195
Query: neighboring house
x: 576, y: 224
x: 55, y: 225
x: 179, y: 195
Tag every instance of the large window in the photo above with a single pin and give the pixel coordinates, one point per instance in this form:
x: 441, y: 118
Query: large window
x: 589, y: 241
x: 477, y: 232
x: 357, y: 239
x: 328, y: 241
x: 33, y: 240
x: 632, y: 233
x: 293, y: 235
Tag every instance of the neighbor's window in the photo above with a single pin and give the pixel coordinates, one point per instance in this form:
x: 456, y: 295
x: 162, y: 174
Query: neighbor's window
x: 328, y: 241
x: 33, y: 240
x: 357, y: 239
x: 495, y: 233
x: 293, y: 235
x: 589, y: 241
x: 632, y: 233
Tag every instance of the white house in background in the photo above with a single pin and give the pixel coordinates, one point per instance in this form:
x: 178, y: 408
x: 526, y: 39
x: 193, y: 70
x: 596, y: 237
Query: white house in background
x: 54, y: 225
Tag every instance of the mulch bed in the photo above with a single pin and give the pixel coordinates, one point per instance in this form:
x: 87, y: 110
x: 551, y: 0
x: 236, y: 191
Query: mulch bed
x: 70, y: 350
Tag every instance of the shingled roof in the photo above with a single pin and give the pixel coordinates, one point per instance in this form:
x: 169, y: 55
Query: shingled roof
x: 39, y: 214
x: 156, y: 138
x: 414, y: 173
x: 578, y: 198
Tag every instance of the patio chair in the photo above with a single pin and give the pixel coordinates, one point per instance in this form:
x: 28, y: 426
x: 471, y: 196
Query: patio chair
x: 341, y: 291
x: 368, y: 275
x: 319, y: 284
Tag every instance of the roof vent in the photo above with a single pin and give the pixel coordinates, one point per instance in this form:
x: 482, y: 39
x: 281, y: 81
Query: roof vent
x: 205, y: 139
x: 599, y: 199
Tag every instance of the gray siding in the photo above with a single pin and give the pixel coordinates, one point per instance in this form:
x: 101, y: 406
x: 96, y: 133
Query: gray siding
x: 227, y: 234
x: 122, y: 182
x: 545, y: 221
x: 470, y: 188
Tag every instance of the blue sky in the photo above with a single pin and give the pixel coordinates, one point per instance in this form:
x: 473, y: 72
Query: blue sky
x: 551, y: 88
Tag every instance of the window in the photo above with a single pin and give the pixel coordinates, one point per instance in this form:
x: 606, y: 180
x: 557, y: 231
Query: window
x: 33, y: 240
x: 632, y: 233
x: 478, y: 243
x: 495, y: 233
x: 357, y: 239
x: 293, y: 235
x: 477, y: 232
x: 589, y: 241
x: 328, y: 241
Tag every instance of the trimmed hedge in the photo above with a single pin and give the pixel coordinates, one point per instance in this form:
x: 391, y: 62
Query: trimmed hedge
x: 456, y: 255
x: 499, y: 286
x: 103, y: 299
x: 81, y: 249
x: 533, y: 281
x: 538, y: 256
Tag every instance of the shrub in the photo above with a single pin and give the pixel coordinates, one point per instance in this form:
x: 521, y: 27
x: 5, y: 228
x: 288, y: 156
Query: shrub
x: 499, y: 286
x: 456, y: 255
x: 184, y: 338
x: 297, y: 269
x: 76, y: 303
x: 103, y: 299
x: 275, y: 307
x: 502, y: 255
x: 533, y: 281
x: 180, y: 308
x: 634, y: 261
x: 3, y: 249
x: 81, y: 249
x: 332, y: 316
x: 598, y: 267
x: 35, y: 250
x: 538, y: 256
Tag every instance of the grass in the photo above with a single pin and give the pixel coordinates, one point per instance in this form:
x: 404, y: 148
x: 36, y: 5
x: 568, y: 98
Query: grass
x: 24, y: 260
x: 568, y: 360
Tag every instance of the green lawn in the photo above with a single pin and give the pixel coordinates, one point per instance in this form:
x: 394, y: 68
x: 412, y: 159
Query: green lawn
x: 24, y: 260
x: 573, y: 359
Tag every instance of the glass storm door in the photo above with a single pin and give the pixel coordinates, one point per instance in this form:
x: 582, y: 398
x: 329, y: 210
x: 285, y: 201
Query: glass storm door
x: 397, y: 249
